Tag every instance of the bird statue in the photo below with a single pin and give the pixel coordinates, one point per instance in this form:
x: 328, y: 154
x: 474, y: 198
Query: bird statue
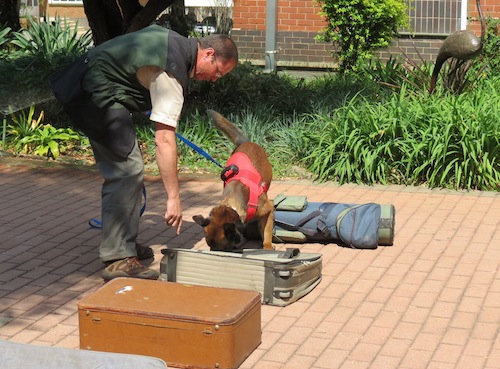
x: 462, y: 45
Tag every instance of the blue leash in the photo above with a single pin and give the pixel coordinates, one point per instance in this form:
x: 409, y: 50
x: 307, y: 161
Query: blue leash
x: 198, y: 149
x: 96, y: 223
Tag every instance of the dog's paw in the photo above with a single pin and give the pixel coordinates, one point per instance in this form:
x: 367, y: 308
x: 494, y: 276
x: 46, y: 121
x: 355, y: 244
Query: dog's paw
x: 269, y: 247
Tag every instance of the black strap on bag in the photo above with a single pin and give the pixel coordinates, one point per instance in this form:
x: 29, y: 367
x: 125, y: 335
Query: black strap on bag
x: 321, y: 227
x: 322, y: 221
x: 299, y: 225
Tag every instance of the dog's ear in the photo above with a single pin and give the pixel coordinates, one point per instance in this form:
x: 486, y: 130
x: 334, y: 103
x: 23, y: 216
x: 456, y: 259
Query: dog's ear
x: 201, y: 220
x: 240, y: 227
x: 232, y: 233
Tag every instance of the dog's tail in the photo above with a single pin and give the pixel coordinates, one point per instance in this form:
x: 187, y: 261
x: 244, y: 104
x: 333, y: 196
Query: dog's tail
x: 236, y: 135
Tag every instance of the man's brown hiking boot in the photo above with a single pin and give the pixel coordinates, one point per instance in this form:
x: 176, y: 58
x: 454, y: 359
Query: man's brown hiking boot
x: 129, y: 267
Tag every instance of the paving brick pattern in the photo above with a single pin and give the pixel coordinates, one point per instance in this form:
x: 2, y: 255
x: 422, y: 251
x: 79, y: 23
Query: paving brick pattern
x: 430, y: 301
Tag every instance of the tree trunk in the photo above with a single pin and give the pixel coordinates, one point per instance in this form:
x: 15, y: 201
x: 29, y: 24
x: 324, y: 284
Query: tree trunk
x: 111, y: 18
x: 178, y: 18
x: 9, y: 14
x: 145, y: 16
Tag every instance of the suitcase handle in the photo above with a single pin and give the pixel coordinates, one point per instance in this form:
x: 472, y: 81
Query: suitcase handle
x: 290, y: 253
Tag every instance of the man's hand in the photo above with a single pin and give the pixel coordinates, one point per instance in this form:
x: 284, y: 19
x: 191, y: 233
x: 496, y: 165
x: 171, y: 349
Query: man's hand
x: 173, y: 216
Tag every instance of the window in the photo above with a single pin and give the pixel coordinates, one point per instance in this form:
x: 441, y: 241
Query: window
x: 29, y: 7
x: 435, y: 17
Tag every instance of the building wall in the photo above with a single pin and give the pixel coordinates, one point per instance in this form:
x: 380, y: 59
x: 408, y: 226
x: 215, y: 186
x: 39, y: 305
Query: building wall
x: 68, y: 11
x: 298, y: 24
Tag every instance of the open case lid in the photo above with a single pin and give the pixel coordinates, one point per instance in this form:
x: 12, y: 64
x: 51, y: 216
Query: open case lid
x: 289, y: 256
x: 171, y: 300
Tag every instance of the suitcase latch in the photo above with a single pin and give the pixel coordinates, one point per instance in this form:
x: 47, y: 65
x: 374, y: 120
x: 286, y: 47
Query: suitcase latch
x: 95, y: 319
x: 284, y: 295
x: 208, y: 331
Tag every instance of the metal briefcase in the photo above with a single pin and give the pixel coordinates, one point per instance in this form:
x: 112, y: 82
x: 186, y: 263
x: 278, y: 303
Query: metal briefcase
x: 282, y: 277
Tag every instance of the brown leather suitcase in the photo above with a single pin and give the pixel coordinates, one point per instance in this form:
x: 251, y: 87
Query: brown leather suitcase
x: 186, y: 326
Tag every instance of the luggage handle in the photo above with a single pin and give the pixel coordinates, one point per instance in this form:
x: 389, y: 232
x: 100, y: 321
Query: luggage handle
x: 290, y: 253
x: 289, y: 294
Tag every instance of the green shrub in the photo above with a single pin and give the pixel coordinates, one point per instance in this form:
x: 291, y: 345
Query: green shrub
x: 491, y: 49
x: 248, y: 86
x: 357, y: 27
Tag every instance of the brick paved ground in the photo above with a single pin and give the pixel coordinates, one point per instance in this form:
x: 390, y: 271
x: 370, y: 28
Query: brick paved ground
x: 432, y: 300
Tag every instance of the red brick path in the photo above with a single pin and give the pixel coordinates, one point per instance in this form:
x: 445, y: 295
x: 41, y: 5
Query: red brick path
x: 430, y: 301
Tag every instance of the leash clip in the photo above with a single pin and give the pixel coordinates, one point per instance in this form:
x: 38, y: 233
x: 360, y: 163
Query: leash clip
x: 228, y: 172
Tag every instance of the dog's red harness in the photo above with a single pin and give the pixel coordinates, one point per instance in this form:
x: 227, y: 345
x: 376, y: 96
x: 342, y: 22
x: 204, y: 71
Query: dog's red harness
x: 240, y: 168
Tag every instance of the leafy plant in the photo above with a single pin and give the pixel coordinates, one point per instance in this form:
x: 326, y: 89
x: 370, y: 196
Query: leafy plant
x: 341, y: 127
x: 357, y: 27
x: 48, y: 39
x: 24, y: 123
x: 248, y: 88
x: 48, y: 141
x: 4, y: 35
x: 390, y: 74
x: 30, y: 136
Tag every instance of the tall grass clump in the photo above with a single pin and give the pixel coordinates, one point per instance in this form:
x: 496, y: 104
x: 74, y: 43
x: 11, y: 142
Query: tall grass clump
x: 276, y: 135
x: 440, y: 141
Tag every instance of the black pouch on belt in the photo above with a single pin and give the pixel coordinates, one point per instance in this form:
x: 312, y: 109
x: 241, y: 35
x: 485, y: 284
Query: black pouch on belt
x: 112, y: 128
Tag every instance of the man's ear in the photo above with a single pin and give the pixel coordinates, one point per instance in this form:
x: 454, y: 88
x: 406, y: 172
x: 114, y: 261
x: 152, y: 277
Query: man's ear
x: 209, y: 52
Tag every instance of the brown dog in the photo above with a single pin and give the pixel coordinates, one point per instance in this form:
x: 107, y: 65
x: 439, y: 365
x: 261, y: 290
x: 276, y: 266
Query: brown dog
x: 247, y: 178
